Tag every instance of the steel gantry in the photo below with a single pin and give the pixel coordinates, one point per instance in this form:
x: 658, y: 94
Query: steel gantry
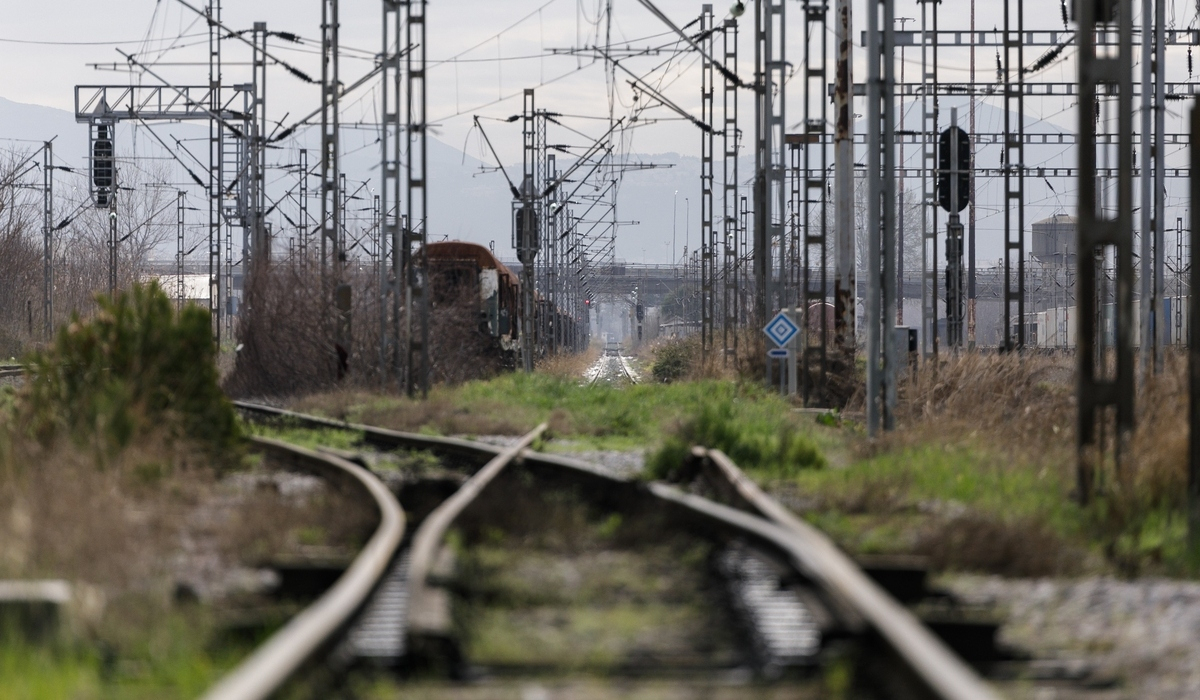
x: 1014, y: 175
x: 1105, y: 231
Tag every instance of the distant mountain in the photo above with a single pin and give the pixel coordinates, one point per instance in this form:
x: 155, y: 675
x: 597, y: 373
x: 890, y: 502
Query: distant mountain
x: 468, y: 200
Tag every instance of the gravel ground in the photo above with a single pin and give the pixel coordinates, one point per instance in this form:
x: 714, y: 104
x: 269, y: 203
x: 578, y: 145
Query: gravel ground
x: 1146, y: 633
x: 625, y: 464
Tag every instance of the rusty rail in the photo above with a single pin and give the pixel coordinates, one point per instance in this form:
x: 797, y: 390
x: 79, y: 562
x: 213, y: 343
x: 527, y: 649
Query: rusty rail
x: 938, y: 673
x: 286, y: 652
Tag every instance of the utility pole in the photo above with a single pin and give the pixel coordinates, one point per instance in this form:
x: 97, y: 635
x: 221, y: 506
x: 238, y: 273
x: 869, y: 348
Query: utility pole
x: 881, y: 221
x: 1100, y: 237
x: 47, y: 240
x: 844, y: 285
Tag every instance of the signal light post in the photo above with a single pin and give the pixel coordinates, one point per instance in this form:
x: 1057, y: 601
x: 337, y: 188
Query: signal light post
x: 954, y: 172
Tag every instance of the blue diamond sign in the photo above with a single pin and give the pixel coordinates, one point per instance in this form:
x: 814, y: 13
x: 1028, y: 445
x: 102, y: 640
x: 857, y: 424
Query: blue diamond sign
x: 781, y: 330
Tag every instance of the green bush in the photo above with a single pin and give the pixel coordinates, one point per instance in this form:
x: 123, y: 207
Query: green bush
x: 775, y: 446
x: 673, y: 360
x: 136, y: 368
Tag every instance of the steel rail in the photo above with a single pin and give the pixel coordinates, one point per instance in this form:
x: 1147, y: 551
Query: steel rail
x: 625, y: 369
x: 935, y: 664
x: 286, y: 652
x: 859, y: 601
x: 428, y: 538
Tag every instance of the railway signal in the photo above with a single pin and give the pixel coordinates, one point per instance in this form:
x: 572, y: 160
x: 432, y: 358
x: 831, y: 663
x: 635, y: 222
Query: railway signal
x: 954, y: 189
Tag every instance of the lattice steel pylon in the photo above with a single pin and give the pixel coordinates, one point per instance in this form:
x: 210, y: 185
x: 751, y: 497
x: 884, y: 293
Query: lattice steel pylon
x: 729, y: 204
x: 526, y: 236
x: 302, y: 187
x: 929, y: 127
x: 215, y: 130
x: 881, y: 217
x: 1014, y: 174
x: 708, y: 236
x: 390, y: 219
x: 1104, y: 234
x: 844, y: 249
x: 769, y: 154
x: 48, y: 240
x: 814, y: 240
x: 256, y: 139
x: 416, y: 233
x: 1153, y: 187
x: 180, y: 250
x: 337, y: 291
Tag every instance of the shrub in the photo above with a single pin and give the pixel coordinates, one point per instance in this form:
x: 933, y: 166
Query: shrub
x: 774, y: 446
x: 136, y: 368
x: 674, y: 360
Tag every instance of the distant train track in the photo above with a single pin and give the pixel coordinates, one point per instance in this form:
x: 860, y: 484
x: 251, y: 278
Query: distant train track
x: 620, y: 360
x: 914, y: 659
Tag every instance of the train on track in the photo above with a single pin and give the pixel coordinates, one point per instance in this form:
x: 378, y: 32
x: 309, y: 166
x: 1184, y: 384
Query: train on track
x: 462, y: 272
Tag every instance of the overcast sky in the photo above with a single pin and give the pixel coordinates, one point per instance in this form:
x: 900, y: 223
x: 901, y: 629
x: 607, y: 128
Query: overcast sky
x: 483, y: 53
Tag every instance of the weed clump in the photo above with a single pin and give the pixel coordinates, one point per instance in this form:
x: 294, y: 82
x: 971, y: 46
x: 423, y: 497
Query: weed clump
x: 674, y: 360
x: 136, y: 368
x: 775, y: 447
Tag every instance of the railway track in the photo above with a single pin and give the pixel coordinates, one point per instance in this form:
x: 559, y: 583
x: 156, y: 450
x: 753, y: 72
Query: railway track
x: 793, y: 591
x: 599, y: 372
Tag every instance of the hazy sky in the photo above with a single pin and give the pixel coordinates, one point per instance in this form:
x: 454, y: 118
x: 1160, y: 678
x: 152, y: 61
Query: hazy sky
x: 482, y: 54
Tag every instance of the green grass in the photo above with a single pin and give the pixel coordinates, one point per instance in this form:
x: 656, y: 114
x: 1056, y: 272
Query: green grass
x: 307, y: 437
x: 171, y: 656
